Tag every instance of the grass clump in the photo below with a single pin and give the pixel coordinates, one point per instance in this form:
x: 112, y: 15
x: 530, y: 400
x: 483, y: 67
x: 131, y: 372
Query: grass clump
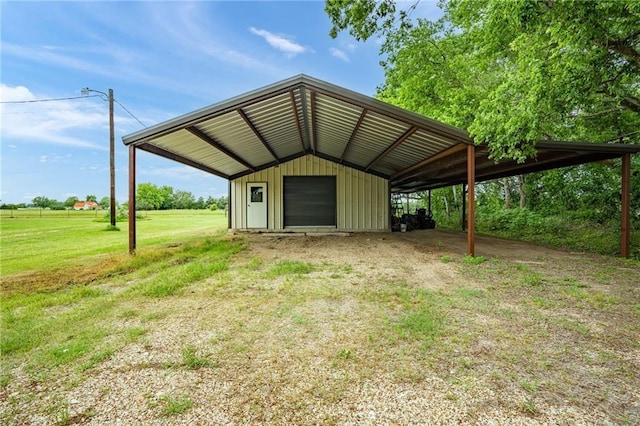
x: 194, y: 262
x: 192, y: 361
x: 424, y: 324
x: 175, y: 405
x: 473, y: 260
x: 290, y: 267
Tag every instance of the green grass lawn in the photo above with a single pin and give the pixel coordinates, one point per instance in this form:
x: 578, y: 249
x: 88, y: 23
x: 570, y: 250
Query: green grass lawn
x: 30, y: 243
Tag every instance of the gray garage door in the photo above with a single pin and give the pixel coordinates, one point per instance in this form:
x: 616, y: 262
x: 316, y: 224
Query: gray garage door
x: 309, y: 201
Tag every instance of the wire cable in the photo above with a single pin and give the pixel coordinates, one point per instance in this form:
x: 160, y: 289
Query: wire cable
x: 49, y: 100
x: 129, y: 112
x: 76, y: 97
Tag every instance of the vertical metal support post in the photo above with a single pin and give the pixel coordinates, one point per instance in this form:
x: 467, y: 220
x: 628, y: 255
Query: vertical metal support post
x: 112, y: 166
x: 625, y: 227
x: 391, y: 208
x: 229, y: 206
x: 132, y: 199
x: 471, y: 189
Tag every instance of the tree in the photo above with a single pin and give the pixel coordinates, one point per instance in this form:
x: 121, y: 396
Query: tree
x: 183, y: 200
x: 56, y: 205
x: 41, y: 201
x: 166, y: 192
x: 92, y: 198
x: 511, y: 73
x: 222, y: 203
x: 210, y: 201
x: 70, y: 201
x: 199, y: 204
x: 148, y: 197
x: 105, y: 202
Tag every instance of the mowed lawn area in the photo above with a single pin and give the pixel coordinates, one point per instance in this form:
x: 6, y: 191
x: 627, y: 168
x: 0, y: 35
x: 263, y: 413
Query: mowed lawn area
x: 206, y: 327
x: 59, y: 239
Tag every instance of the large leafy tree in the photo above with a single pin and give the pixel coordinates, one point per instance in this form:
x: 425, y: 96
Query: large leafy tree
x: 41, y: 201
x: 70, y: 201
x: 148, y: 197
x: 183, y: 200
x: 511, y: 73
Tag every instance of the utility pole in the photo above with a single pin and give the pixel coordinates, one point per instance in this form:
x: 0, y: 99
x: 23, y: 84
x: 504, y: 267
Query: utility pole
x: 112, y: 166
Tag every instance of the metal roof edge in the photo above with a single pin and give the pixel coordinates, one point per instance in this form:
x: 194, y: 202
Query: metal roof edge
x: 290, y: 83
x: 185, y: 119
x: 377, y: 105
x: 585, y: 146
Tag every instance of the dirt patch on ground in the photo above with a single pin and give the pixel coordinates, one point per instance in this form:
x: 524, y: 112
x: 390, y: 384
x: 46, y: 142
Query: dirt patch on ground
x: 366, y: 329
x: 395, y: 256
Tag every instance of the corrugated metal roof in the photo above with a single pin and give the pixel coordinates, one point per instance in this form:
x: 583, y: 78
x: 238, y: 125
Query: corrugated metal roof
x: 303, y: 115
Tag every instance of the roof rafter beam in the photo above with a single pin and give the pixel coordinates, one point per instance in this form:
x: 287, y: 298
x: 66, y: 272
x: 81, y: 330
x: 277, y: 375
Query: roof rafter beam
x: 565, y: 160
x: 314, y: 125
x: 416, y: 168
x: 268, y: 165
x: 489, y: 172
x: 257, y: 133
x: 175, y: 157
x: 351, y: 165
x: 297, y: 119
x: 393, y: 146
x: 211, y: 141
x: 353, y: 134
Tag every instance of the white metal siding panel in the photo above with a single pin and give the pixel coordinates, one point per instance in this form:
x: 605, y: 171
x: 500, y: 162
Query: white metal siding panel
x: 362, y: 198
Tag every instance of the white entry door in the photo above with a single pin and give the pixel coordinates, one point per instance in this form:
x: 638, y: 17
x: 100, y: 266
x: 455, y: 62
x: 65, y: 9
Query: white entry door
x: 256, y: 205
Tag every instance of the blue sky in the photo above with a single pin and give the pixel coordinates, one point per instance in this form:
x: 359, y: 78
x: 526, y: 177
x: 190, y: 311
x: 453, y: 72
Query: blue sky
x: 162, y: 59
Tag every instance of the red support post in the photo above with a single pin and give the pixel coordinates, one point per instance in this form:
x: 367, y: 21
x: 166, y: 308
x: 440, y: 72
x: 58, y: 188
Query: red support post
x: 471, y: 189
x: 625, y: 228
x: 132, y: 199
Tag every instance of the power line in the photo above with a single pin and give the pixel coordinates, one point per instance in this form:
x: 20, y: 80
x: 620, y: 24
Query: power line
x: 129, y: 112
x: 49, y: 100
x: 72, y: 98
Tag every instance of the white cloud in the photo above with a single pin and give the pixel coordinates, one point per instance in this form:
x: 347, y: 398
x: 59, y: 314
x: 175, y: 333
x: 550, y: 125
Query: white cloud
x: 340, y: 54
x: 280, y: 42
x: 188, y: 29
x: 52, y: 55
x: 13, y: 94
x: 53, y: 158
x: 59, y: 122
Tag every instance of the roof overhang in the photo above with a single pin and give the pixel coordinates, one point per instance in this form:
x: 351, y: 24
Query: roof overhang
x: 303, y: 115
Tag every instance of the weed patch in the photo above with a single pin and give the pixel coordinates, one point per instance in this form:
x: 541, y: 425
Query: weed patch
x: 175, y: 405
x: 192, y: 361
x: 290, y: 267
x: 424, y: 324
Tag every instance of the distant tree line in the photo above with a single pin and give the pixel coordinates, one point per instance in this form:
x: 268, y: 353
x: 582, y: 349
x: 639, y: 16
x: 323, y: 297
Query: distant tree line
x: 153, y: 197
x: 43, y: 202
x: 148, y: 197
